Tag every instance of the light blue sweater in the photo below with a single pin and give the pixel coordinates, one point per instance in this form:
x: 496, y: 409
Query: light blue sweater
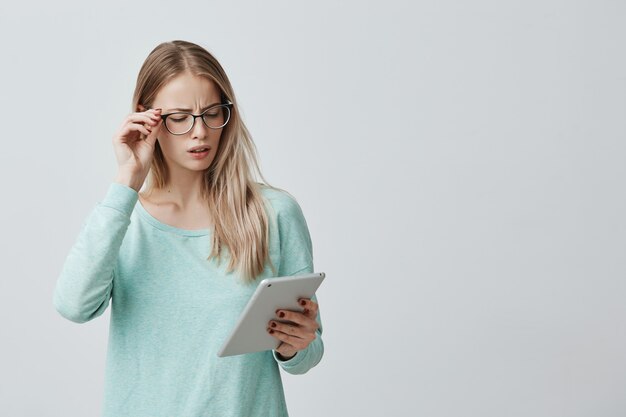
x: 171, y: 309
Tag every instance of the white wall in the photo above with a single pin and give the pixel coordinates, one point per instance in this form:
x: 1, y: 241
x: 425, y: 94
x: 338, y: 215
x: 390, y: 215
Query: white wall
x: 464, y: 192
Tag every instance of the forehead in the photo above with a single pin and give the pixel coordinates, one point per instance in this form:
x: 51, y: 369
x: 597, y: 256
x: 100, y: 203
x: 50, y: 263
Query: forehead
x: 187, y: 91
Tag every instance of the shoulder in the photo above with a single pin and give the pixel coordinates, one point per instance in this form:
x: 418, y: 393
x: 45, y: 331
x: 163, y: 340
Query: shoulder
x: 281, y: 202
x: 291, y: 233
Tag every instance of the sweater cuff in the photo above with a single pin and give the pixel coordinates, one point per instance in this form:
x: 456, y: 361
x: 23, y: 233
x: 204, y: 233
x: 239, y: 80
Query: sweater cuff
x: 121, y: 197
x: 290, y: 363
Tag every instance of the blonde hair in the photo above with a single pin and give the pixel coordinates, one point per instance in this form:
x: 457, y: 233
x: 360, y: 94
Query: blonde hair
x: 235, y: 202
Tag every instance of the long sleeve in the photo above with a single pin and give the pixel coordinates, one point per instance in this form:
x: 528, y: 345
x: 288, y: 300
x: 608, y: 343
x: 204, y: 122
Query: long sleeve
x: 296, y: 250
x: 85, y: 284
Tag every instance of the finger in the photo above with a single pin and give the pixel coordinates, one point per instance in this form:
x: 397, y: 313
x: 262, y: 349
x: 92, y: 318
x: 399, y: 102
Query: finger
x: 141, y: 118
x: 135, y: 127
x: 149, y: 117
x: 310, y: 307
x: 154, y: 114
x: 154, y: 125
x: 152, y: 137
x: 285, y: 349
x: 294, y: 342
x: 297, y: 317
x: 287, y: 353
x: 290, y: 329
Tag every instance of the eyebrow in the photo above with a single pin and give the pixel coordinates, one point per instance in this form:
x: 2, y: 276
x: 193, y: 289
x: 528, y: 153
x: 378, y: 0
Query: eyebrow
x: 189, y: 110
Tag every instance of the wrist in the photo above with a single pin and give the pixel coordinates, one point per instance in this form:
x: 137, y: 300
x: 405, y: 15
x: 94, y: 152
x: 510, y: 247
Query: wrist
x: 284, y: 358
x: 129, y: 181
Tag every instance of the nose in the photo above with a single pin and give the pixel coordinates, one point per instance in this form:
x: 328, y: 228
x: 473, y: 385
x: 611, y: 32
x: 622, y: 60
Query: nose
x: 199, y: 129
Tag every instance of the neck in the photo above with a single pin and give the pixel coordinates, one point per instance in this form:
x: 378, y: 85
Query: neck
x: 184, y: 189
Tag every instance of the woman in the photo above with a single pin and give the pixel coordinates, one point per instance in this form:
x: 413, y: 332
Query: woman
x: 158, y: 254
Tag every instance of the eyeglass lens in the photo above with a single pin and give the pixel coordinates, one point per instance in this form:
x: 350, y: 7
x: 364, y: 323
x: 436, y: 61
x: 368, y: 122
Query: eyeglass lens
x: 215, y: 118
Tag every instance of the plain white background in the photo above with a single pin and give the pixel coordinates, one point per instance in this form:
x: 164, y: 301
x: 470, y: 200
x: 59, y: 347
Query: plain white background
x: 460, y: 165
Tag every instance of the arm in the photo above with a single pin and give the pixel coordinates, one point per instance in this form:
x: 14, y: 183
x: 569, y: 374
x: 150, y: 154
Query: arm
x: 305, y: 359
x: 296, y: 250
x: 85, y: 284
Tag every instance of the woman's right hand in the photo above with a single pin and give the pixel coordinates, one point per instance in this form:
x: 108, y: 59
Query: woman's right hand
x: 134, y: 143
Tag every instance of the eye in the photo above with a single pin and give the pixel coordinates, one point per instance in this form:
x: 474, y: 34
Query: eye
x: 179, y: 118
x: 217, y: 111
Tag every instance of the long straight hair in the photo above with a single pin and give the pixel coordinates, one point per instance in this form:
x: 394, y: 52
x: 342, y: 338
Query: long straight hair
x: 233, y: 197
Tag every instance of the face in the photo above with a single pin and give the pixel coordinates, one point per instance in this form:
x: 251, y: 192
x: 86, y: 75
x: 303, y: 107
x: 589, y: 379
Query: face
x: 191, y: 94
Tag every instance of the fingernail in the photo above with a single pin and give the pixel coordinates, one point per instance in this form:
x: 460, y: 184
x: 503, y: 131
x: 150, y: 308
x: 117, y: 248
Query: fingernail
x: 273, y: 324
x: 281, y: 314
x: 302, y: 302
x: 271, y: 331
x: 306, y: 311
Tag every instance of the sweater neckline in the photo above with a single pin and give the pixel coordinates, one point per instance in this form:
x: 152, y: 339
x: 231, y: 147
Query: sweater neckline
x: 166, y: 227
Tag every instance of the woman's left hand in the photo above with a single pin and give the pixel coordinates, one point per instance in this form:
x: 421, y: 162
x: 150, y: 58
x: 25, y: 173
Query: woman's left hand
x: 296, y: 336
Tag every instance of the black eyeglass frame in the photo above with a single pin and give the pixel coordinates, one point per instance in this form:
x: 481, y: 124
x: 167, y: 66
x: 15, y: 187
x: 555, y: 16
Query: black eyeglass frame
x: 227, y: 104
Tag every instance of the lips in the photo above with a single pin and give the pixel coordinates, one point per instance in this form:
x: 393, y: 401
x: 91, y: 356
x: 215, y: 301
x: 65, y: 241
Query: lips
x: 199, y: 147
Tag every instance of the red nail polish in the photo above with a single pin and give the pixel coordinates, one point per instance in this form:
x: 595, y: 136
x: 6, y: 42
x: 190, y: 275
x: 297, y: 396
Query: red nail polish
x: 281, y: 314
x: 271, y: 331
x: 273, y: 324
x: 302, y: 302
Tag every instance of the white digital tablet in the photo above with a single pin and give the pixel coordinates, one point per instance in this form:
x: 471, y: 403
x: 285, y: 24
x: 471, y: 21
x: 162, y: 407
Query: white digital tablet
x: 250, y: 333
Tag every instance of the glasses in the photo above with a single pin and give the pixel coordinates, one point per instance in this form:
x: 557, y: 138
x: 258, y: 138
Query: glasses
x: 215, y: 117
